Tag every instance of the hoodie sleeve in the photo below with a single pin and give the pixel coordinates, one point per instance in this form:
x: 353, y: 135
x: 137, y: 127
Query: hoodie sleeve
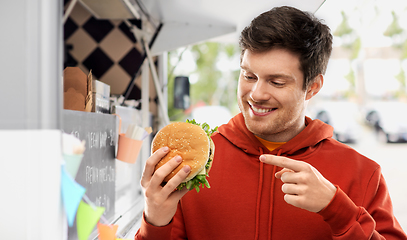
x: 148, y: 231
x: 174, y: 230
x: 373, y: 220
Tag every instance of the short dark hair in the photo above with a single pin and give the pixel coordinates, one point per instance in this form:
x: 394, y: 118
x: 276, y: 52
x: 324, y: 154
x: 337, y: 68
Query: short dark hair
x: 297, y: 31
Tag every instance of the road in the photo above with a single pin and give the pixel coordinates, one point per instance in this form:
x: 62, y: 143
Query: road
x: 393, y: 159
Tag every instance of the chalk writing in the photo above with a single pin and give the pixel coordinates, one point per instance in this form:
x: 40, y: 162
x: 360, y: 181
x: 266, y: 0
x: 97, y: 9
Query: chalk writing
x: 111, y: 138
x: 94, y: 174
x: 100, y: 139
x: 75, y: 134
x: 103, y: 201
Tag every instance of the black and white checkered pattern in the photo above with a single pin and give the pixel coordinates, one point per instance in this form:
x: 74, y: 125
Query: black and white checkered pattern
x: 107, y: 47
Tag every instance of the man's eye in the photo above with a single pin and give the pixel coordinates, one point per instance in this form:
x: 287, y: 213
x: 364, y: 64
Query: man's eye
x: 278, y: 84
x: 249, y: 77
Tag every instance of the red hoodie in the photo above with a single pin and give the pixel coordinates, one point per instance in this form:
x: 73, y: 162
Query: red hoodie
x: 245, y: 200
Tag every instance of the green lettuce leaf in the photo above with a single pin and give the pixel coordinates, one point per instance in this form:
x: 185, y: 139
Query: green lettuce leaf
x: 200, y: 181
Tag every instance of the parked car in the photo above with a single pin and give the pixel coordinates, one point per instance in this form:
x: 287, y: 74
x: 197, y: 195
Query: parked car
x: 342, y: 116
x: 389, y: 119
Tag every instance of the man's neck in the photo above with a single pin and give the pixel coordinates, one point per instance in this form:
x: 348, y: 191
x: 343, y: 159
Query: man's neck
x: 283, y: 136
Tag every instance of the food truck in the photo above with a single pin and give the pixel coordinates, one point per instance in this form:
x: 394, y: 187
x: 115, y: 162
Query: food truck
x: 116, y: 47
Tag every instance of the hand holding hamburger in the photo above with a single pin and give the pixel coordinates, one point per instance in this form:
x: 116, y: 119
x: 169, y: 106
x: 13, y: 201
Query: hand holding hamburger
x: 170, y: 164
x: 192, y: 142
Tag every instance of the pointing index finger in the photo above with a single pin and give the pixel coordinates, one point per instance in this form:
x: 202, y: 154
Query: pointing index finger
x: 283, y: 162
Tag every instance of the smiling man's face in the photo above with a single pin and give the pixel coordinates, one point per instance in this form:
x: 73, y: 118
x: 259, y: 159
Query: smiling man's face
x: 271, y: 95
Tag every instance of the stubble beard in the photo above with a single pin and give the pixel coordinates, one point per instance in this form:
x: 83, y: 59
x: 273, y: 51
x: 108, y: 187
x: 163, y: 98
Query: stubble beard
x: 258, y: 128
x: 276, y: 126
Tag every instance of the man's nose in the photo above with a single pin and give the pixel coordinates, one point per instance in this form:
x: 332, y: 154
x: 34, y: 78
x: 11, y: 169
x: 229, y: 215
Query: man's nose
x: 260, y: 91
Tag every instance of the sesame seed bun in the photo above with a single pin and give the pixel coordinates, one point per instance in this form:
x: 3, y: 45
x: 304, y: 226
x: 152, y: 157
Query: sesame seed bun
x: 186, y: 140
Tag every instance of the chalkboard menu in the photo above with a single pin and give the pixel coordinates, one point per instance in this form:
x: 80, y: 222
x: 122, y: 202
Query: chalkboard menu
x: 97, y: 170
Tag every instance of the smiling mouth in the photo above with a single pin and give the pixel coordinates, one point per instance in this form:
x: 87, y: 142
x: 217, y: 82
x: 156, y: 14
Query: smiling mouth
x: 261, y: 110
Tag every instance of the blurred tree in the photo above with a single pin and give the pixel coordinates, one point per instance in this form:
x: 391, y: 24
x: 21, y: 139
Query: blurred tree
x: 206, y: 56
x: 395, y: 32
x: 173, y: 113
x: 225, y: 94
x: 350, y: 41
x: 352, y: 80
x: 399, y: 39
x: 350, y: 38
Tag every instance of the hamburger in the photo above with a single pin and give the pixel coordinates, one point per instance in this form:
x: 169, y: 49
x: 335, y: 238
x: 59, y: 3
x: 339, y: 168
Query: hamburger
x: 192, y: 142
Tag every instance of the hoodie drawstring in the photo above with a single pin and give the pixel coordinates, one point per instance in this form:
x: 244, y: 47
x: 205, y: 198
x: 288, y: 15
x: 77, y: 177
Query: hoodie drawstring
x: 259, y: 190
x: 260, y: 186
x: 273, y: 179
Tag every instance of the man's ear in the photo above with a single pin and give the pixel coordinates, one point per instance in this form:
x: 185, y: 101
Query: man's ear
x: 315, y: 87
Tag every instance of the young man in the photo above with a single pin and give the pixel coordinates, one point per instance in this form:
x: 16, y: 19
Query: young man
x: 276, y: 174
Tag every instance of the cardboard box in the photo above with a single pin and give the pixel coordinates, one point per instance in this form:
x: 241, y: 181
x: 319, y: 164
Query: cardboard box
x: 77, y: 90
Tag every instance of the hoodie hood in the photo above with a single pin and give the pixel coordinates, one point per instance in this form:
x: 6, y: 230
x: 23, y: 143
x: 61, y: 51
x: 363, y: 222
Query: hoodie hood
x: 238, y: 134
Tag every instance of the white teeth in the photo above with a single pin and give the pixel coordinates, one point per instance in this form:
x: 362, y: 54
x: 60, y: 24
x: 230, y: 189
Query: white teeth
x: 261, y: 110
